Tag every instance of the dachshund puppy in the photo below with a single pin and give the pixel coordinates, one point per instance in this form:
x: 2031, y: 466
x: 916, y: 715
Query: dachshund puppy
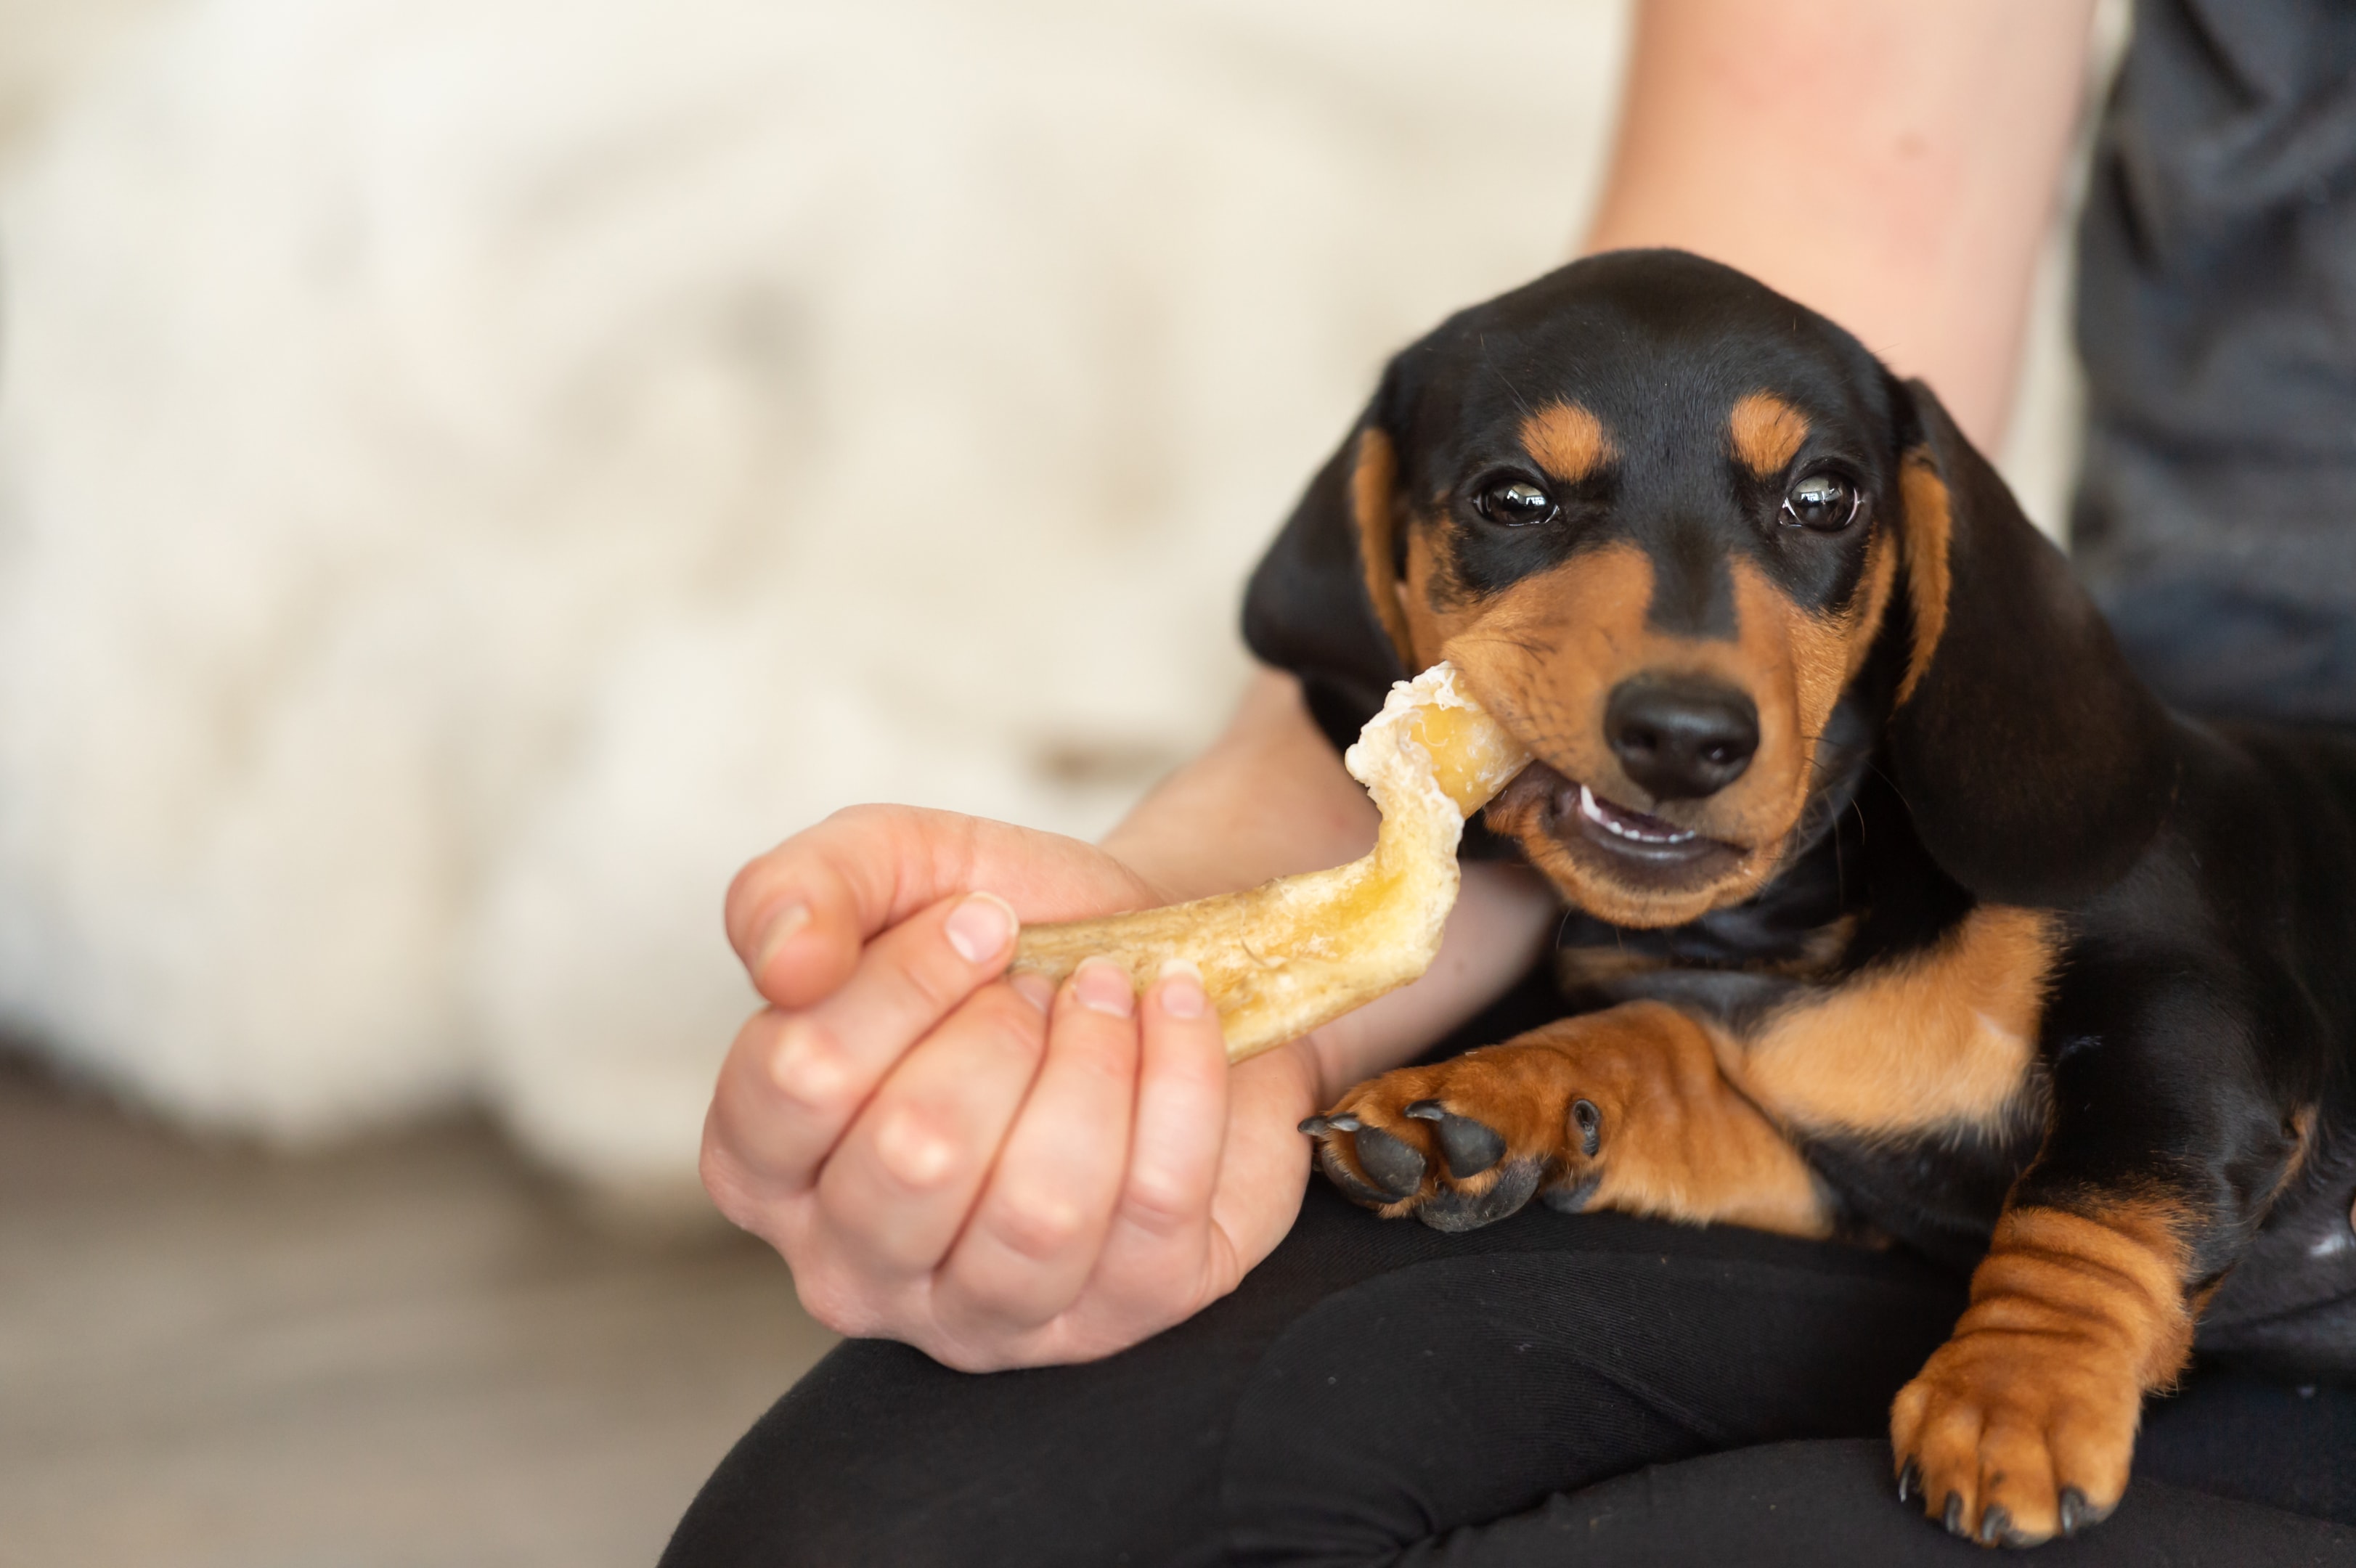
x: 1899, y: 908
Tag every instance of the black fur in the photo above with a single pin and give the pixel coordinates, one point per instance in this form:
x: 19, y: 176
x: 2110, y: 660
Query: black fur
x: 2205, y: 1001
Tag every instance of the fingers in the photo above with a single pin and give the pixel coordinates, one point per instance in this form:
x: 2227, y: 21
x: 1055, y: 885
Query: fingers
x: 793, y: 1080
x: 1153, y: 1267
x: 799, y: 915
x: 1264, y: 1167
x: 901, y: 1184
x: 1035, y: 1235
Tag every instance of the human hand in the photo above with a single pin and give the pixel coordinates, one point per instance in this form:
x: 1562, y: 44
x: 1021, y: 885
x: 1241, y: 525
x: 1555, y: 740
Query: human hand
x: 995, y: 1172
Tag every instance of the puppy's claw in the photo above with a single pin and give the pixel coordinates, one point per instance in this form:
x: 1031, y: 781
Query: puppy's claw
x: 1452, y: 1211
x: 1315, y: 1126
x: 1356, y: 1188
x: 1995, y: 1524
x: 1953, y: 1517
x: 1390, y: 1164
x: 1469, y: 1147
x: 1910, y: 1479
x: 2075, y: 1513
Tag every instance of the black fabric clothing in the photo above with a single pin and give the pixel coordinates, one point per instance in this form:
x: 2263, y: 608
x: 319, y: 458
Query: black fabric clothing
x: 1378, y: 1393
x: 1555, y: 1389
x: 2217, y: 321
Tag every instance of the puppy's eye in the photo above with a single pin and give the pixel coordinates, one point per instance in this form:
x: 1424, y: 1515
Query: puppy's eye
x: 1825, y: 503
x: 1517, y: 503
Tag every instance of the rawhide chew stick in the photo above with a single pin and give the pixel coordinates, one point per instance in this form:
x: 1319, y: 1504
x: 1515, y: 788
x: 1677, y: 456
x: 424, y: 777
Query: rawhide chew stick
x: 1281, y: 958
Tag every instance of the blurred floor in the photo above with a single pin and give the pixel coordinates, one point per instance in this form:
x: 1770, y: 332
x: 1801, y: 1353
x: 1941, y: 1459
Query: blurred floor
x: 412, y: 1351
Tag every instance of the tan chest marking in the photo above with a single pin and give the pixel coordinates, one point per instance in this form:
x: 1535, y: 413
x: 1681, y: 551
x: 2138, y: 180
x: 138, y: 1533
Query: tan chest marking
x: 1940, y: 1038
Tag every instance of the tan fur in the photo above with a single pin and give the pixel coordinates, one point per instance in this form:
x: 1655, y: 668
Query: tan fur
x: 1374, y: 478
x: 1929, y: 525
x: 2299, y: 1128
x: 2073, y: 1317
x: 1941, y: 1038
x: 1767, y: 433
x: 1677, y: 1142
x: 1576, y: 967
x: 1544, y: 655
x: 1567, y: 441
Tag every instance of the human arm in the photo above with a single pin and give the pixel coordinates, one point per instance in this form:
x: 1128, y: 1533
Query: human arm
x: 1895, y: 167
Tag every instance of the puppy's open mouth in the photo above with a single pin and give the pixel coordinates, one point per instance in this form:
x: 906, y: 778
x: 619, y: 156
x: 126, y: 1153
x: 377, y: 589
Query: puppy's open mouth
x: 1633, y: 826
x: 1616, y: 841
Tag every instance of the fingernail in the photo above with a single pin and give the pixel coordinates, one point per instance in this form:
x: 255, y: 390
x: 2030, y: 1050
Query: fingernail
x: 1104, y: 987
x: 1035, y: 988
x: 777, y: 933
x: 1181, y: 989
x: 980, y: 927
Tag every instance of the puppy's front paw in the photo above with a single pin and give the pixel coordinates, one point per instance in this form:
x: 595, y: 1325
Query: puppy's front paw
x: 2012, y: 1438
x: 1467, y: 1142
x: 2022, y: 1426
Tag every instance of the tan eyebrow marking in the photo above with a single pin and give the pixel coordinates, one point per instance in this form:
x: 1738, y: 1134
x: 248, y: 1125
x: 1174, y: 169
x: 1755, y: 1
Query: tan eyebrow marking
x: 1767, y: 433
x: 1568, y: 442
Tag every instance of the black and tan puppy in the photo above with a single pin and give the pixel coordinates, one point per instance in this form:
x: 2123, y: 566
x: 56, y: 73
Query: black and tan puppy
x: 1899, y: 907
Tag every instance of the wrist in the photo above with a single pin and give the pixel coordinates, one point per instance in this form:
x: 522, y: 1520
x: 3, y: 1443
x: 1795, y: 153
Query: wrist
x: 1158, y: 876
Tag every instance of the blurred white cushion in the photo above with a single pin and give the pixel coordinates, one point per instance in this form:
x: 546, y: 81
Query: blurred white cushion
x: 478, y: 470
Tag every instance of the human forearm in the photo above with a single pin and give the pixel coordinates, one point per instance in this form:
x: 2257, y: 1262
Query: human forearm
x: 1892, y: 165
x: 1267, y: 798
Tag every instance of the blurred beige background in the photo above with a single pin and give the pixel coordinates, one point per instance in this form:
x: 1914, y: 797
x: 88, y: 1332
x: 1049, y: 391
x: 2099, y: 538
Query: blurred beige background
x: 470, y: 474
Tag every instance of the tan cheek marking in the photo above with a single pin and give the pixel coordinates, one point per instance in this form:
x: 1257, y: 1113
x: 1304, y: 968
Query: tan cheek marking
x: 1936, y: 1040
x: 1929, y: 529
x: 1822, y: 653
x: 1543, y: 656
x: 1431, y: 598
x: 1567, y: 441
x: 1781, y: 653
x: 1374, y: 477
x: 1767, y: 433
x: 1542, y: 653
x: 1862, y: 622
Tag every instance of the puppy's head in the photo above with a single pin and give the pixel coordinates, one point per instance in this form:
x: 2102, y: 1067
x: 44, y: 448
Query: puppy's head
x: 1688, y: 541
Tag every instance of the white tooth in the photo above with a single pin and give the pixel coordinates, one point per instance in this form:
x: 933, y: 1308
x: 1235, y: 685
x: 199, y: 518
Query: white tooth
x: 1592, y: 809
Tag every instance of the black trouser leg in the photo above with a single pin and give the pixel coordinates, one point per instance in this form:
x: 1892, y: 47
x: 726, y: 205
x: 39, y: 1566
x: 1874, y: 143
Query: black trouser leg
x: 1379, y: 1393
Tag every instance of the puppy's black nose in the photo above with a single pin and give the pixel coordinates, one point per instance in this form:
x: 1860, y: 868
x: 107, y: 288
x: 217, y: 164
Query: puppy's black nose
x: 1681, y: 737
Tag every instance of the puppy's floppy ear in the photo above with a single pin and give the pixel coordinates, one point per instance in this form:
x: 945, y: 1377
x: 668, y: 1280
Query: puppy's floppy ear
x: 1324, y: 601
x: 2036, y: 765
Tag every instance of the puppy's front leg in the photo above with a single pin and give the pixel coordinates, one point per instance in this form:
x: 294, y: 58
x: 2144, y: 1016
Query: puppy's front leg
x: 2022, y: 1426
x: 1623, y: 1109
x: 2156, y: 1168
